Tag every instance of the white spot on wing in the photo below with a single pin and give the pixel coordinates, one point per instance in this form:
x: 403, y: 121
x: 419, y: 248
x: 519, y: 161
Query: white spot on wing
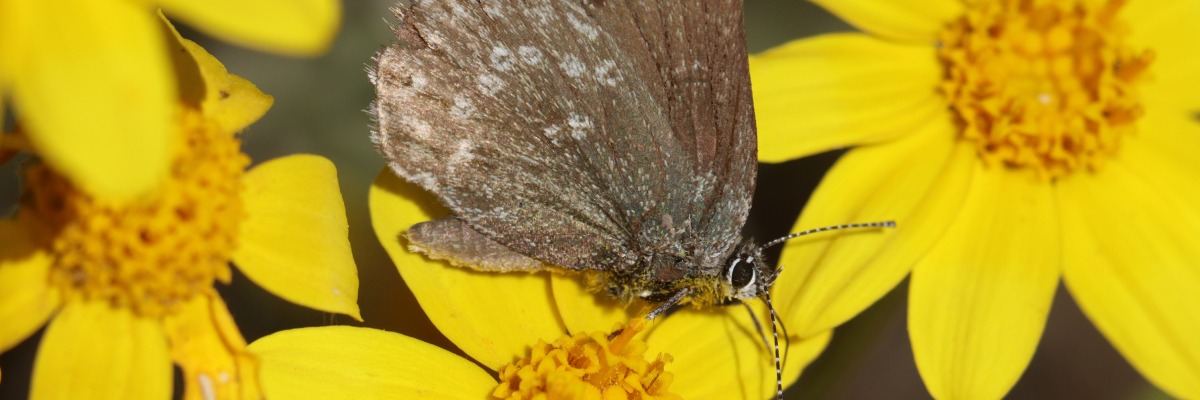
x: 490, y: 84
x: 551, y: 131
x: 530, y: 55
x: 462, y: 155
x: 604, y: 73
x: 572, y: 66
x: 579, y: 125
x: 462, y: 108
x: 583, y: 27
x: 502, y: 59
x: 418, y: 128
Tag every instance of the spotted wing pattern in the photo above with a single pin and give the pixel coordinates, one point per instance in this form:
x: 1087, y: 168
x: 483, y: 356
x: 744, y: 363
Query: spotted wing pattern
x: 587, y: 135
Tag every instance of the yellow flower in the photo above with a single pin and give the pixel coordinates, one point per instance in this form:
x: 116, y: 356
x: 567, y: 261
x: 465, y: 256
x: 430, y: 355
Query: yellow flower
x: 361, y: 363
x: 93, y: 80
x: 128, y: 289
x: 1015, y: 143
x: 495, y: 319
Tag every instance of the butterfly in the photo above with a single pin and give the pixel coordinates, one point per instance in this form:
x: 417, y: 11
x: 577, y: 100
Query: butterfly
x: 610, y: 137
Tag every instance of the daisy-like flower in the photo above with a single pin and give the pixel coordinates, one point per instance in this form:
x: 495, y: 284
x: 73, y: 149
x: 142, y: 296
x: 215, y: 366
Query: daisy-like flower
x: 1015, y: 143
x: 128, y: 290
x: 93, y: 80
x: 497, y: 318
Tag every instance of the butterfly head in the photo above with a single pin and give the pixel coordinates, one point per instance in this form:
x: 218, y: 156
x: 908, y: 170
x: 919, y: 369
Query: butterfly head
x: 747, y: 275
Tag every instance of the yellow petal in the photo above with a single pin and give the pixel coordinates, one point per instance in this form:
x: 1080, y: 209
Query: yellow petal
x: 493, y: 317
x: 93, y: 351
x: 295, y: 241
x: 901, y: 20
x: 1136, y: 279
x: 231, y: 100
x: 295, y: 27
x: 26, y: 298
x: 719, y: 354
x: 830, y: 277
x: 207, y: 346
x: 1167, y: 29
x: 1167, y: 133
x: 342, y: 362
x: 1163, y: 152
x: 97, y: 95
x: 584, y: 311
x: 832, y: 91
x: 978, y: 302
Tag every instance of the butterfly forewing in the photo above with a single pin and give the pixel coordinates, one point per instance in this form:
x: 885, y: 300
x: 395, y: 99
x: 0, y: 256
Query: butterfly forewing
x: 586, y: 135
x: 694, y: 53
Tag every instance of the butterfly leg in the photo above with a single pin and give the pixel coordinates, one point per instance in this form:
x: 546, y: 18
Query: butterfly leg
x: 667, y: 305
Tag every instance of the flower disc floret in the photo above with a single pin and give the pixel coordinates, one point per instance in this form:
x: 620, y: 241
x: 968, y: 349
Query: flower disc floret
x: 589, y: 366
x: 152, y: 255
x: 1042, y: 85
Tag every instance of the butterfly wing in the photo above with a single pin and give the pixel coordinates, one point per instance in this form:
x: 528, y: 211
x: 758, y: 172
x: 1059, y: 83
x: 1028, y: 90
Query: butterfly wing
x: 552, y: 135
x: 697, y: 60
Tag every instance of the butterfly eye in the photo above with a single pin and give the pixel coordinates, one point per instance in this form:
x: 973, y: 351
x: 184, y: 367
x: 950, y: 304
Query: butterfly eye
x: 741, y: 273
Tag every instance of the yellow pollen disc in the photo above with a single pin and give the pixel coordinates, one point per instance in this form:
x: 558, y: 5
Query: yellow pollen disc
x: 148, y: 256
x: 598, y: 366
x: 1045, y: 85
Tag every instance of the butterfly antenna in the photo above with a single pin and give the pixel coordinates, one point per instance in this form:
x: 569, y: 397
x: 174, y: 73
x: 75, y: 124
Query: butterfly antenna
x: 774, y: 331
x: 787, y: 338
x: 878, y: 224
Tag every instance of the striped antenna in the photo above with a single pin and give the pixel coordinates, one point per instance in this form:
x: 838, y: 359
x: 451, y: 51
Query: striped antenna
x: 775, y: 333
x: 776, y: 323
x: 878, y: 224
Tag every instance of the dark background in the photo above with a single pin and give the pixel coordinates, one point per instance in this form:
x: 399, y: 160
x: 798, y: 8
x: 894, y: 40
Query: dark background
x: 319, y: 109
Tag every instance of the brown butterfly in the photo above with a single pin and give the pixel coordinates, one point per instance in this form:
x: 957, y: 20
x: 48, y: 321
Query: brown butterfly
x: 612, y: 137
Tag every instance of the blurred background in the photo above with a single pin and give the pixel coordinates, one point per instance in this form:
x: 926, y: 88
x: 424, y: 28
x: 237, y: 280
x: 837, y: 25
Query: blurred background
x: 319, y: 107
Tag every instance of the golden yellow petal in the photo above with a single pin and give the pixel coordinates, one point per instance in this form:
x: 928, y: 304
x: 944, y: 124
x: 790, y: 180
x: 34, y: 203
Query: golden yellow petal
x: 1136, y: 278
x: 829, y: 92
x: 493, y: 317
x: 231, y: 100
x: 295, y: 241
x: 93, y: 351
x: 294, y: 27
x: 829, y: 278
x: 978, y: 302
x: 26, y: 298
x: 97, y: 94
x: 719, y: 354
x: 901, y: 20
x: 1167, y: 28
x: 584, y: 311
x: 342, y: 362
x: 1163, y: 153
x: 207, y: 346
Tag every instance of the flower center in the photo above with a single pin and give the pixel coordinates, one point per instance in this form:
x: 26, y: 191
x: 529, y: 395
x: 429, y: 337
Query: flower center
x: 149, y: 256
x: 1042, y: 85
x: 596, y: 366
